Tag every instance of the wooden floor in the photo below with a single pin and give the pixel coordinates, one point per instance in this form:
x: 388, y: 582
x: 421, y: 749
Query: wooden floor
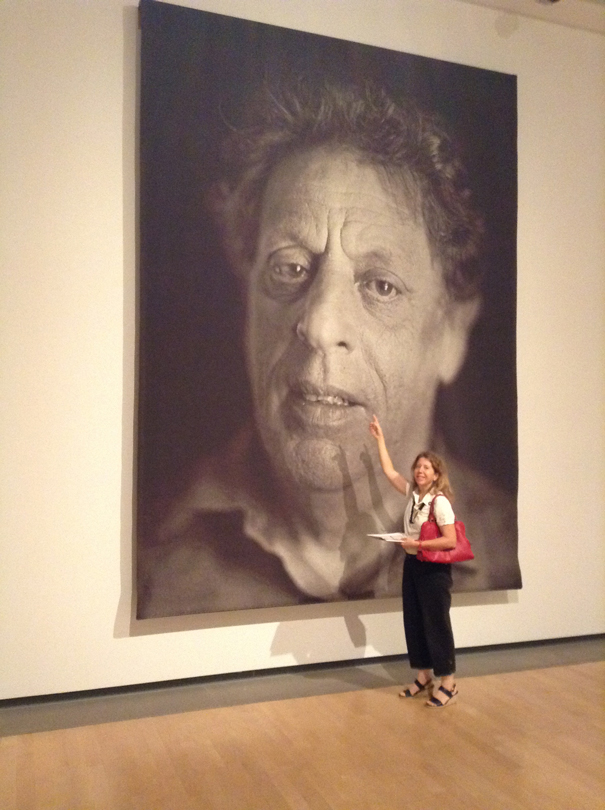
x: 513, y: 741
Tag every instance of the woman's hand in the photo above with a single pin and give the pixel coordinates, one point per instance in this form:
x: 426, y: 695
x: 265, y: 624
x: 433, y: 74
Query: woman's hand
x: 409, y: 543
x: 375, y: 428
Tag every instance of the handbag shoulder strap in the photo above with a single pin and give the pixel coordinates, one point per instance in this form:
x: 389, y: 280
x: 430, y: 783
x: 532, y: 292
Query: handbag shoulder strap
x: 432, y: 507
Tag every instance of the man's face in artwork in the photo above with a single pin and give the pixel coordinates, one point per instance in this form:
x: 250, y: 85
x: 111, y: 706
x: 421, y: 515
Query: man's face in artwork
x: 348, y: 316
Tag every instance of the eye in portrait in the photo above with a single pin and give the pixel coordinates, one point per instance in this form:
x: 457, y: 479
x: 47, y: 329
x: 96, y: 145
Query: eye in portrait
x: 327, y: 235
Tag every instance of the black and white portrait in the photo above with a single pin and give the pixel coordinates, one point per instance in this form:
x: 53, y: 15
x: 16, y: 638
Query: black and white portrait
x: 327, y: 232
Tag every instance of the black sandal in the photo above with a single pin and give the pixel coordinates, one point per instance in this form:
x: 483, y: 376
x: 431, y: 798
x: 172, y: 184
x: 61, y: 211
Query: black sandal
x: 435, y: 703
x: 406, y: 693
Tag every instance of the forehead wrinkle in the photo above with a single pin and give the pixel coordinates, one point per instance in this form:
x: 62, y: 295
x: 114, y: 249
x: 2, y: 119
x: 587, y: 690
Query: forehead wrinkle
x: 370, y: 233
x: 315, y: 209
x: 389, y: 243
x: 387, y: 193
x: 290, y: 226
x: 381, y: 256
x: 380, y: 204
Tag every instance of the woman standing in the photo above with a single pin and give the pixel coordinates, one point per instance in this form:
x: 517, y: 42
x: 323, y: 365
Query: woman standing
x: 426, y: 587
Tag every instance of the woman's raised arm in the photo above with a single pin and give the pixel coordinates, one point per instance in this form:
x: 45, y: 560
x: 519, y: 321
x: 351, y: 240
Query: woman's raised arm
x: 397, y: 480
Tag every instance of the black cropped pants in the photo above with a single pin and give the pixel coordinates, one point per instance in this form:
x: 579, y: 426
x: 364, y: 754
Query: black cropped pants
x: 427, y: 598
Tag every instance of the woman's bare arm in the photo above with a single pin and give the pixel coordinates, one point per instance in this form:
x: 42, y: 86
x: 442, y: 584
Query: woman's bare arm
x: 397, y: 480
x: 446, y: 541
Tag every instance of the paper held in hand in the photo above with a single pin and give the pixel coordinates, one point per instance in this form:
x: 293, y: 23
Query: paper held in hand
x: 395, y: 537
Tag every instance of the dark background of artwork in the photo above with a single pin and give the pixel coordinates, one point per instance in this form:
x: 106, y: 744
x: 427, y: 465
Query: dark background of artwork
x: 196, y: 70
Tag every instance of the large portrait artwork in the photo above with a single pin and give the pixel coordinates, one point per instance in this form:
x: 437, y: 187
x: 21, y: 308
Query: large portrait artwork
x: 327, y: 233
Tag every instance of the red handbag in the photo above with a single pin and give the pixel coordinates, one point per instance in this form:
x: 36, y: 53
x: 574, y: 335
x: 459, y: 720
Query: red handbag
x: 430, y: 530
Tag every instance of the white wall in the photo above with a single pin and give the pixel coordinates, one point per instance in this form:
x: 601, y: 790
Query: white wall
x: 67, y: 224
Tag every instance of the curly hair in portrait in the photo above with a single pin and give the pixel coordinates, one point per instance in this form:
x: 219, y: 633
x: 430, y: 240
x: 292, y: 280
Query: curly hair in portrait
x: 409, y: 144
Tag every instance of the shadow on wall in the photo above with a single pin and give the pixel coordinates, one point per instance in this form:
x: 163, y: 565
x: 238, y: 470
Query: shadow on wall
x: 296, y: 633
